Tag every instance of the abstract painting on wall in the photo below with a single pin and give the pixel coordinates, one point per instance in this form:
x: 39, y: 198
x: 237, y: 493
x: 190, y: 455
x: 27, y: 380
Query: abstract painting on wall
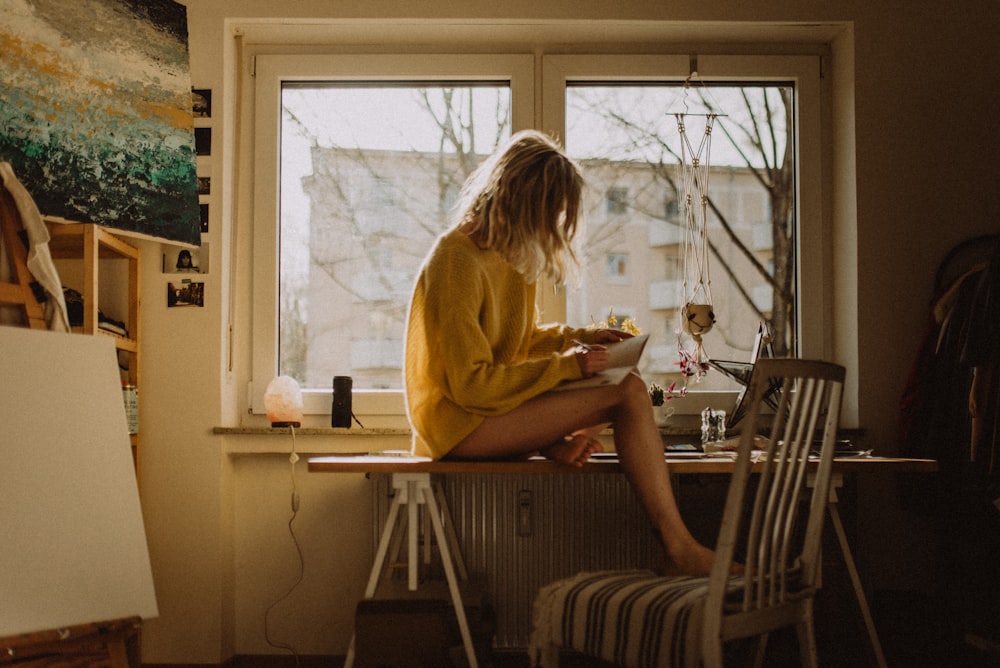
x: 95, y: 112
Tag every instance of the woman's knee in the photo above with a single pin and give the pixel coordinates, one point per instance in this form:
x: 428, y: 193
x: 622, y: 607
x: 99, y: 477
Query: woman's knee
x: 633, y: 391
x: 634, y: 385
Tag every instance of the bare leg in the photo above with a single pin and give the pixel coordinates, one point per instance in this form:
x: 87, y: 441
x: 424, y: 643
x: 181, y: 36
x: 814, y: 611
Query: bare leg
x: 640, y: 450
x: 543, y: 423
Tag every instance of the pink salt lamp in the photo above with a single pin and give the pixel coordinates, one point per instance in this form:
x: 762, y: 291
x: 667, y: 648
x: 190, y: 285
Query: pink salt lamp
x: 283, y: 402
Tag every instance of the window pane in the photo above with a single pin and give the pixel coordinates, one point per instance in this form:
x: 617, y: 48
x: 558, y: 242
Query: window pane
x: 369, y: 173
x: 626, y: 138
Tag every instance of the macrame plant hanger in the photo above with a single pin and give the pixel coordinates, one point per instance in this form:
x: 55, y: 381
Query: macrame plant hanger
x: 698, y: 313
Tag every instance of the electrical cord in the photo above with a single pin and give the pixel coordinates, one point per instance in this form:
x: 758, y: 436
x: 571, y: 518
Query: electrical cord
x: 293, y: 458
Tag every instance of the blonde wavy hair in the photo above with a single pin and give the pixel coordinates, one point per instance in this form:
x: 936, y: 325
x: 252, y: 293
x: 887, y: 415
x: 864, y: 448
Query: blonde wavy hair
x: 523, y: 202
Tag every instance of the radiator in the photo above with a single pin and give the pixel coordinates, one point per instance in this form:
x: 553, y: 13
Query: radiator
x: 522, y: 531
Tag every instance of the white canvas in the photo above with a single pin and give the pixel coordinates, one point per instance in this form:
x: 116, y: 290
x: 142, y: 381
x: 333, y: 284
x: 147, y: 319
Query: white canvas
x: 74, y: 542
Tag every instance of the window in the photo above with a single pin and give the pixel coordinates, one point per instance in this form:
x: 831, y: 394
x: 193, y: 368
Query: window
x: 369, y: 174
x: 618, y: 268
x: 671, y: 207
x: 617, y: 200
x: 619, y: 116
x: 371, y: 152
x: 628, y: 133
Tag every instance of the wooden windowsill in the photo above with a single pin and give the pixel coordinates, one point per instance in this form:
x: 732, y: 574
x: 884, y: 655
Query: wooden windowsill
x: 308, y: 431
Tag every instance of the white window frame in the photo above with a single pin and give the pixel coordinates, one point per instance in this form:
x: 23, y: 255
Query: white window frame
x: 812, y: 247
x: 270, y: 72
x: 549, y: 81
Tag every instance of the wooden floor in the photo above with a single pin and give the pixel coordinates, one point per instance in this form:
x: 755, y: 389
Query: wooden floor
x: 910, y: 626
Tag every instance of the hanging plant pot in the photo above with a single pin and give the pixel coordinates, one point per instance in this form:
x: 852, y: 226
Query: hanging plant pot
x: 697, y: 319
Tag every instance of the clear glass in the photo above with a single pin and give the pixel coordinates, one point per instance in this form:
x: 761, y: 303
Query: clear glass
x: 632, y: 244
x: 713, y: 426
x: 369, y: 174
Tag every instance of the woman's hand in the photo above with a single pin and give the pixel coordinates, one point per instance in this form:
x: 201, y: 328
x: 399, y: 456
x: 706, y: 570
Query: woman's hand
x: 610, y: 335
x: 592, y: 358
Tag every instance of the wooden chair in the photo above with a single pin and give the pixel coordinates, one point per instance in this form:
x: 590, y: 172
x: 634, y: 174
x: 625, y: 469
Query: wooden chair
x: 772, y: 524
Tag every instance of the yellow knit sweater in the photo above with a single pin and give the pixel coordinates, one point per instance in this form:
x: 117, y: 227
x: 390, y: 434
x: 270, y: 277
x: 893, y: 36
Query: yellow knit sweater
x: 473, y: 348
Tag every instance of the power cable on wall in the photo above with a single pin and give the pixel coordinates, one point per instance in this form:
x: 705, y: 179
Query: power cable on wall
x: 301, y: 561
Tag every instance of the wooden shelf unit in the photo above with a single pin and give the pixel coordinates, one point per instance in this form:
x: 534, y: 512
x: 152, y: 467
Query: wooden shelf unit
x: 90, y: 244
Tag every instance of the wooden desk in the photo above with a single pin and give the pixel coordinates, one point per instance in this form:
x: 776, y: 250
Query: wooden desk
x: 411, y: 478
x: 376, y: 463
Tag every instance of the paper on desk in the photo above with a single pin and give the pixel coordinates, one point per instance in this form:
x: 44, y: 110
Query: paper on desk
x: 622, y: 359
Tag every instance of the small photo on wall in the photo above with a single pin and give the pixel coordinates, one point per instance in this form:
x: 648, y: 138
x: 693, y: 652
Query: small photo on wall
x: 201, y: 102
x: 185, y: 293
x: 204, y: 185
x: 185, y: 260
x: 203, y: 209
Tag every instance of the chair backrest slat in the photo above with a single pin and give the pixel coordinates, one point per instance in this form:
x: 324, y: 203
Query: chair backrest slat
x: 781, y: 546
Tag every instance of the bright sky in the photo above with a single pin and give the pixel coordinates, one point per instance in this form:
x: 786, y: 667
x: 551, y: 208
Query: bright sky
x: 390, y: 118
x: 394, y: 118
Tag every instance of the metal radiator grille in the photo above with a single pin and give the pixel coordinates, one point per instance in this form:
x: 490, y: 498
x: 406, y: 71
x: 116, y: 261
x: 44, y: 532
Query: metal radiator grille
x: 524, y: 531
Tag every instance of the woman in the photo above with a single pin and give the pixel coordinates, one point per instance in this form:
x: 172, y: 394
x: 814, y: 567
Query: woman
x: 478, y: 369
x: 185, y: 262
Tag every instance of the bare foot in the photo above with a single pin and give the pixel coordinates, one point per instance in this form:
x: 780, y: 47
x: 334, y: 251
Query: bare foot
x: 574, y: 450
x: 691, y: 559
x: 694, y: 560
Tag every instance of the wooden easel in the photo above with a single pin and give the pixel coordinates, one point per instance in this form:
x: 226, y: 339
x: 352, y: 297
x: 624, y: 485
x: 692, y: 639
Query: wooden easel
x: 114, y: 644
x: 21, y: 291
x: 108, y: 644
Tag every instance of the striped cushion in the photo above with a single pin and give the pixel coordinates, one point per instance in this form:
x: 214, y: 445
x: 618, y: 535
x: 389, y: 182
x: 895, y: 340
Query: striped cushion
x: 629, y: 618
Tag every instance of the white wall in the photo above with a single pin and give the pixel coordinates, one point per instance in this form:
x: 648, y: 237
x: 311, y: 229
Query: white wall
x: 921, y: 84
